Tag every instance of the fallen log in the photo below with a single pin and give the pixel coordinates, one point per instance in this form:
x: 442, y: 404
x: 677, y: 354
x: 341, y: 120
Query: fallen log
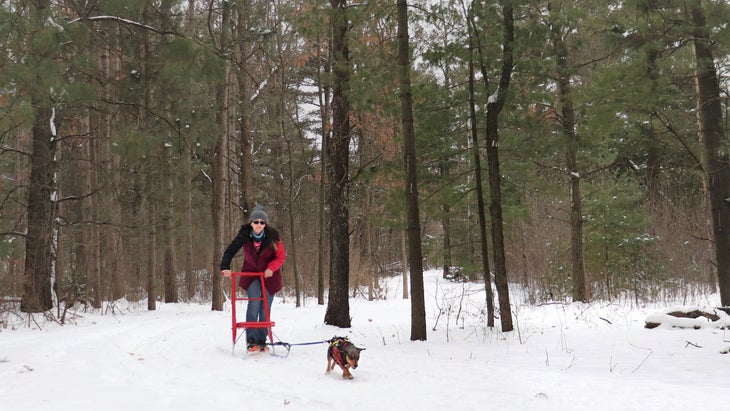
x: 690, y: 318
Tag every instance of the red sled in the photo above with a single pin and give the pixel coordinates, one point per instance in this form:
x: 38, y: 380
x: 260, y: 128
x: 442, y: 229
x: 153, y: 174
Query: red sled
x: 235, y: 325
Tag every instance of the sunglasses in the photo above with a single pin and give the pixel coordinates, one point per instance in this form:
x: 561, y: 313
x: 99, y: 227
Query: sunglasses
x: 258, y: 222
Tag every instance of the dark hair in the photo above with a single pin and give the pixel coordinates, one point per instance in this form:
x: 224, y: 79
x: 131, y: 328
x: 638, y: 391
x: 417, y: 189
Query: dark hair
x: 270, y: 240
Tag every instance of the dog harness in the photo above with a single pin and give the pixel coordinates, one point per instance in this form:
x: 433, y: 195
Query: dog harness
x: 337, y: 345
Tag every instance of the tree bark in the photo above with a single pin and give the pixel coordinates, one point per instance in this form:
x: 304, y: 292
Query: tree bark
x: 247, y: 196
x: 712, y: 133
x: 446, y: 224
x: 415, y: 259
x: 324, y: 104
x: 338, y: 306
x: 481, y: 210
x: 169, y: 269
x: 649, y: 137
x: 571, y: 147
x: 187, y: 160
x: 220, y: 169
x: 150, y: 213
x: 292, y: 247
x: 37, y: 288
x: 404, y: 262
x: 188, y: 246
x: 495, y: 103
x: 37, y: 295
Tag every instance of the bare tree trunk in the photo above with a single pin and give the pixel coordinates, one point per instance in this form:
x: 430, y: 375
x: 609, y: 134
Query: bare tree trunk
x: 292, y: 247
x: 404, y: 262
x: 712, y: 134
x: 93, y: 241
x: 121, y: 261
x: 568, y: 125
x: 283, y: 140
x: 148, y: 242
x: 363, y: 234
x: 415, y: 258
x: 188, y: 247
x: 366, y: 249
x: 187, y: 160
x: 220, y: 169
x: 338, y: 147
x: 22, y: 172
x: 324, y: 104
x: 150, y: 188
x: 169, y: 271
x: 495, y: 211
x: 481, y: 209
x: 37, y: 289
x: 80, y: 241
x: 494, y: 108
x: 167, y: 202
x: 151, y: 251
x: 247, y: 196
x: 576, y: 228
x: 96, y: 266
x: 292, y: 192
x: 218, y: 210
x: 653, y: 159
x: 446, y: 224
x: 37, y: 293
x: 112, y: 236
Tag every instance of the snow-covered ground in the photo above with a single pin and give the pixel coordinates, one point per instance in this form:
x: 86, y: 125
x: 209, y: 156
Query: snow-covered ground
x: 593, y: 357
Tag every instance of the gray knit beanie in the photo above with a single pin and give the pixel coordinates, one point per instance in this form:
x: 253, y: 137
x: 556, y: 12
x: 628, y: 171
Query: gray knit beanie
x: 258, y: 213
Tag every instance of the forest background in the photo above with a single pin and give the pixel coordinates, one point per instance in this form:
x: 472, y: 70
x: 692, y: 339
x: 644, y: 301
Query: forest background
x: 136, y: 136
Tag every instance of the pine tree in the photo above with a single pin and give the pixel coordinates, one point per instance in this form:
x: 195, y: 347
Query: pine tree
x: 338, y: 146
x: 712, y: 133
x: 415, y: 260
x: 42, y: 192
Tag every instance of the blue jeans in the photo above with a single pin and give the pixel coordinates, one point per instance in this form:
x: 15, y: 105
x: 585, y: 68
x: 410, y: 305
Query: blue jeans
x: 255, y: 312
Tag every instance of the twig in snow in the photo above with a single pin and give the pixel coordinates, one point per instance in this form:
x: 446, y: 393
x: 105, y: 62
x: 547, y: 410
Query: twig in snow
x: 645, y: 358
x: 692, y: 344
x: 572, y: 361
x: 31, y: 317
x: 517, y: 325
x: 611, y: 365
x: 438, y: 306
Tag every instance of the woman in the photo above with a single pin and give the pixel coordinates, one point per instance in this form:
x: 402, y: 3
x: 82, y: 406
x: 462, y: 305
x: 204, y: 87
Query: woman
x: 264, y: 252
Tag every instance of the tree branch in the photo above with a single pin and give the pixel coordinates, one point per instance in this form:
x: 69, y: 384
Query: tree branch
x: 79, y: 197
x: 126, y: 21
x: 5, y: 148
x: 12, y: 233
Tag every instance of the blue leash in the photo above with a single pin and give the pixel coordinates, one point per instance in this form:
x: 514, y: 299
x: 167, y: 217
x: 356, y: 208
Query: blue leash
x: 288, y: 345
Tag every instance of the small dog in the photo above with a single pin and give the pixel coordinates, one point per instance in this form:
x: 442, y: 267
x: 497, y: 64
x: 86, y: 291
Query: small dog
x: 343, y: 353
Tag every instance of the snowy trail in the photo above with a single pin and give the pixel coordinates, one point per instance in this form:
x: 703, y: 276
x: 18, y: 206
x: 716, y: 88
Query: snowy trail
x: 561, y: 357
